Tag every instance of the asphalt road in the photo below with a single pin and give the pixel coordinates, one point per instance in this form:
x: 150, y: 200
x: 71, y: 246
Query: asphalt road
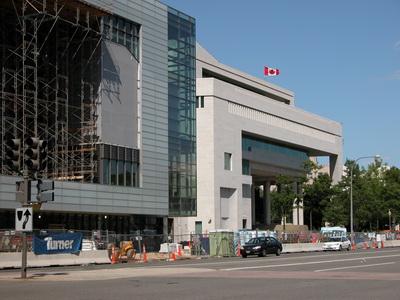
x: 358, y: 274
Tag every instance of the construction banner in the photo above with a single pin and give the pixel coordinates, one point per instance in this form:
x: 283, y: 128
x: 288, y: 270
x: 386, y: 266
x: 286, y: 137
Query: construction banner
x: 57, y: 243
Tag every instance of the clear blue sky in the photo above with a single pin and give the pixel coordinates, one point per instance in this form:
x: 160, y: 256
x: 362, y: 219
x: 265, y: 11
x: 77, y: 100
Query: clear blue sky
x: 340, y: 58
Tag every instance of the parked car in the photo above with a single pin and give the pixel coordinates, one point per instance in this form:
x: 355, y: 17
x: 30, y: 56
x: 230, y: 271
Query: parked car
x: 261, y: 246
x: 337, y: 243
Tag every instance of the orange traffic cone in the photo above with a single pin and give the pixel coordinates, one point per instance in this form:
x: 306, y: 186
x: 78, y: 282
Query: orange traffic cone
x: 353, y: 246
x: 179, y: 250
x: 238, y: 251
x: 383, y: 245
x: 189, y: 245
x: 173, y: 257
x: 374, y: 246
x: 144, y: 254
x: 113, y: 260
x: 365, y: 245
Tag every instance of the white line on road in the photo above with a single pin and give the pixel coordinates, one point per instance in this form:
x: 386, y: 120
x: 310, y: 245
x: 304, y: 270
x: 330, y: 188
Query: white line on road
x: 309, y: 263
x: 363, y: 266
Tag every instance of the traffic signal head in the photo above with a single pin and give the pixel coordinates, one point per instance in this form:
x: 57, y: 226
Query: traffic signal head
x: 42, y: 155
x: 13, y: 154
x: 32, y: 153
x: 45, y: 190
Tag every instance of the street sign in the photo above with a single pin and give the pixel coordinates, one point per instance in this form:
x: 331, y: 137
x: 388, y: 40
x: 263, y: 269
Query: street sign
x: 23, y: 219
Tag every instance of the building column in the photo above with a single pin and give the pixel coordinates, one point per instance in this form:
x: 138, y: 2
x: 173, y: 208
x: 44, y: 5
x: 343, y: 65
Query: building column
x: 335, y: 168
x: 298, y: 212
x: 253, y: 205
x: 267, y: 202
x: 165, y: 229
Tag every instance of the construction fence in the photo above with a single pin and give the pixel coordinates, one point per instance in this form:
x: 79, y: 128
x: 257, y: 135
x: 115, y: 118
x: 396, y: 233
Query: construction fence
x: 218, y: 243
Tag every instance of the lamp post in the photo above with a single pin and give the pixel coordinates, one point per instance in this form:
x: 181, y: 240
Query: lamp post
x: 351, y: 194
x: 390, y: 220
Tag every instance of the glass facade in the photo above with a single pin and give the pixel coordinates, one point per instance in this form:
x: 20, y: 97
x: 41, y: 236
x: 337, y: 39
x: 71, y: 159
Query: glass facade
x: 123, y: 32
x: 253, y: 142
x: 119, y: 165
x: 181, y: 113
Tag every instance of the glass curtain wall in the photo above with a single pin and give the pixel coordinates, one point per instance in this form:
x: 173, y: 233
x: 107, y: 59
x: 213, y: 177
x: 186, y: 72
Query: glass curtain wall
x: 181, y: 113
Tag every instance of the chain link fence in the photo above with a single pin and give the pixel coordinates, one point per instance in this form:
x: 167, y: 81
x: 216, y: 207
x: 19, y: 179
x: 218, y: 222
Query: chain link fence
x: 194, y: 244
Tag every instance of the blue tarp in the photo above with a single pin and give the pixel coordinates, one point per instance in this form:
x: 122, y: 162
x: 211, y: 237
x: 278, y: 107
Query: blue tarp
x: 57, y: 243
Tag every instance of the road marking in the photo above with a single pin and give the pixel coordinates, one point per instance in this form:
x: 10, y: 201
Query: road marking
x: 309, y: 263
x: 363, y: 266
x: 261, y: 259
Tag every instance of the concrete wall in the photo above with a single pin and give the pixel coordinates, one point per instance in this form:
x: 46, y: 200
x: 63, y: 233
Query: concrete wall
x: 236, y: 104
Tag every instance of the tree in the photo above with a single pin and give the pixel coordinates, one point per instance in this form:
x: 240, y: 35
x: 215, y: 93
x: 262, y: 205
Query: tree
x: 284, y: 198
x: 317, y: 192
x: 391, y: 193
x: 337, y: 210
x: 369, y: 202
x: 317, y: 196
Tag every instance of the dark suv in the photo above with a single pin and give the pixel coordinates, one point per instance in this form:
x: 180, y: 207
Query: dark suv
x: 261, y: 246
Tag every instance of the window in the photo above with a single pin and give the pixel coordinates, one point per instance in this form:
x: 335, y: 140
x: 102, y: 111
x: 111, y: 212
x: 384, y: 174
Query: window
x: 198, y: 227
x: 228, y: 161
x: 248, y: 143
x: 245, y: 167
x: 120, y: 165
x: 182, y: 103
x: 106, y: 171
x: 122, y: 32
x: 113, y: 172
x: 121, y: 173
x: 200, y: 102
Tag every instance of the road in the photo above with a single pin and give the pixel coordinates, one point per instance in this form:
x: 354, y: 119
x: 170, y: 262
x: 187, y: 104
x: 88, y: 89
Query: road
x: 359, y: 274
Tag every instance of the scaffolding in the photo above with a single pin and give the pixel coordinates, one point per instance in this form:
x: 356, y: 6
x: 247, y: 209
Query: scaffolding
x: 50, y: 66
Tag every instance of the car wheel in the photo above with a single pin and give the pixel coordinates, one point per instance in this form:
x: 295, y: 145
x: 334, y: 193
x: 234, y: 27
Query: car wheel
x: 348, y: 248
x: 278, y: 252
x: 244, y: 255
x: 340, y: 248
x: 263, y: 253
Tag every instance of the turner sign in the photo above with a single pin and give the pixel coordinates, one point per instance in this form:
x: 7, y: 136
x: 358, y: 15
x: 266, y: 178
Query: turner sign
x: 57, y: 243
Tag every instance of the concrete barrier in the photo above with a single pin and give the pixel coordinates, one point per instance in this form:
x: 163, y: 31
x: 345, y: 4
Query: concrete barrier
x: 14, y: 260
x: 395, y: 243
x: 299, y: 247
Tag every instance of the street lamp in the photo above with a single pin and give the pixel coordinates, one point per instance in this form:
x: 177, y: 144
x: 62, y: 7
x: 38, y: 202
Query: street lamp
x: 390, y: 220
x: 351, y: 194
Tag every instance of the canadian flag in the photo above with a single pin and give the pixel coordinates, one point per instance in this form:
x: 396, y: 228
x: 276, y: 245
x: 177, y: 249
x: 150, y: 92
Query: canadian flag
x: 270, y: 72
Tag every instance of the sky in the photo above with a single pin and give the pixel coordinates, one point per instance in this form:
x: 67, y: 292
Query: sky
x: 340, y: 58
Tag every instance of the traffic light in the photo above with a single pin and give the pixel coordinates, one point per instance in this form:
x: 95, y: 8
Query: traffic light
x: 13, y: 154
x: 32, y: 153
x: 42, y: 155
x: 43, y: 188
x: 23, y: 191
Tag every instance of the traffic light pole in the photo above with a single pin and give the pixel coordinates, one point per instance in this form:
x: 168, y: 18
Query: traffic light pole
x: 34, y: 160
x: 27, y: 198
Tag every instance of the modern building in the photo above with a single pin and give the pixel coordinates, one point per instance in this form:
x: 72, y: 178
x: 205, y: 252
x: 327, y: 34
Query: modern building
x: 110, y: 86
x: 248, y: 132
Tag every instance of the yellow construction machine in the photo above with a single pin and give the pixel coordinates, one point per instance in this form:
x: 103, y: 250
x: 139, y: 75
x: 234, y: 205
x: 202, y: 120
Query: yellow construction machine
x: 126, y: 249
